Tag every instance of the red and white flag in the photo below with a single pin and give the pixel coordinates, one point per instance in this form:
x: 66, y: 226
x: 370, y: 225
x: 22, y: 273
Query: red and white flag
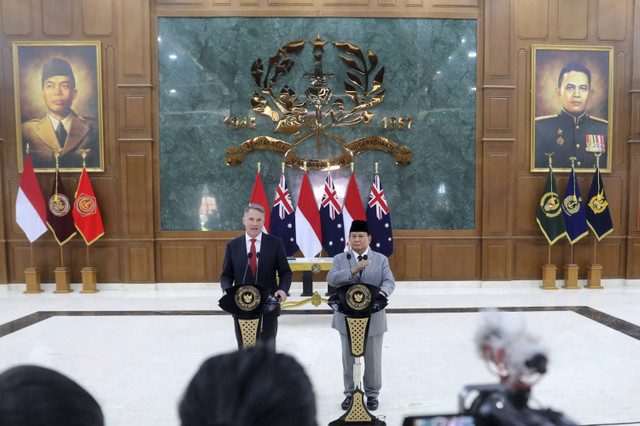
x: 353, y: 209
x: 308, y: 228
x: 86, y: 214
x: 258, y: 196
x: 31, y: 211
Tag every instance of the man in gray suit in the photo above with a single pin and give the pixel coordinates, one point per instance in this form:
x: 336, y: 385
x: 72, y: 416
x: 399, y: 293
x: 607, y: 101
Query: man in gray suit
x: 362, y: 265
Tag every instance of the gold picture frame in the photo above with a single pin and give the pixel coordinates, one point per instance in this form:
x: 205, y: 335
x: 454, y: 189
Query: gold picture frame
x: 59, y: 80
x: 571, y: 107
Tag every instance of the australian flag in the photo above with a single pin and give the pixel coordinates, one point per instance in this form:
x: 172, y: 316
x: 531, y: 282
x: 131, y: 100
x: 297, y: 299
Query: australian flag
x: 331, y: 220
x: 283, y: 219
x: 379, y: 219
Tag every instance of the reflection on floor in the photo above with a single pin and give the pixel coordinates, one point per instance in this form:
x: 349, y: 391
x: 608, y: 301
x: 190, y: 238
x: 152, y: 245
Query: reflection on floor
x: 135, y: 347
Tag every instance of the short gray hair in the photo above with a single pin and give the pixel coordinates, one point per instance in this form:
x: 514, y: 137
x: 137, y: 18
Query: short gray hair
x: 254, y: 206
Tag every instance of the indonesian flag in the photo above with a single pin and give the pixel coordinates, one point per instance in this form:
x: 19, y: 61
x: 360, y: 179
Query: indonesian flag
x: 308, y: 229
x: 353, y: 209
x: 31, y: 211
x: 86, y: 214
x: 258, y: 196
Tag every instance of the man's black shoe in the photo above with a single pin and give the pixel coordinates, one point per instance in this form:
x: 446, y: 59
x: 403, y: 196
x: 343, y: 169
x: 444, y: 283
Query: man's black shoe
x: 372, y: 403
x: 347, y: 402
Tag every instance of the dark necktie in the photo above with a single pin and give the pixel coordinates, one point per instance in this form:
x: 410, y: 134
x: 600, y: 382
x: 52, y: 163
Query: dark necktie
x: 61, y: 134
x: 360, y: 273
x: 253, y: 262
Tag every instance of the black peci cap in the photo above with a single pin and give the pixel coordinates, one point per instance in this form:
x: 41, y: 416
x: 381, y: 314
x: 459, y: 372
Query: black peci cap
x: 359, y: 226
x: 57, y: 66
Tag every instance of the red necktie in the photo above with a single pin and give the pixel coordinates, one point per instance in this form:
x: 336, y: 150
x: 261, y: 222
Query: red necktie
x: 253, y: 262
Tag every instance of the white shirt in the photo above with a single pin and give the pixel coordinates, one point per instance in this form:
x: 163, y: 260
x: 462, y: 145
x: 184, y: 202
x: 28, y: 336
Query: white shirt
x: 258, y: 243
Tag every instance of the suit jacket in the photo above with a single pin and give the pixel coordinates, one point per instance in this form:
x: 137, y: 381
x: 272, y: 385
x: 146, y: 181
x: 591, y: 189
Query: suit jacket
x: 378, y: 274
x: 83, y: 133
x: 272, y: 260
x: 566, y: 137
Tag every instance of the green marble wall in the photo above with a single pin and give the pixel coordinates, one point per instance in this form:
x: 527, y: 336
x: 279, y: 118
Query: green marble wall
x: 205, y: 76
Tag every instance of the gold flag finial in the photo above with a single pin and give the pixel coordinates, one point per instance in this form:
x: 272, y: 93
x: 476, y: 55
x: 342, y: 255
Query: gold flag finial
x: 329, y: 166
x: 84, y: 156
x: 282, y: 167
x: 549, y: 154
x: 352, y: 167
x: 597, y: 154
x: 258, y: 167
x: 573, y: 160
x: 304, y: 165
x: 376, y: 167
x: 27, y: 147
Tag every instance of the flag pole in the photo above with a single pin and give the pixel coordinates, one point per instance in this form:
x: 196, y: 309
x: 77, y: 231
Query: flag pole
x: 549, y: 270
x: 571, y: 269
x: 594, y: 271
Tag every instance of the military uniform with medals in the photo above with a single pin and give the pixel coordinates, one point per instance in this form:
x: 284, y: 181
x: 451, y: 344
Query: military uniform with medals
x: 566, y: 136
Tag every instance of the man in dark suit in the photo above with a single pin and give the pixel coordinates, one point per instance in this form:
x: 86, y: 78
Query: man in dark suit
x: 61, y: 130
x: 362, y: 265
x: 572, y: 132
x: 256, y: 258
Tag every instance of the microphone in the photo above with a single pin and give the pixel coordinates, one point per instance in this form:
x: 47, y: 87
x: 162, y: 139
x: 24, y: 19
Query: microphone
x: 246, y: 268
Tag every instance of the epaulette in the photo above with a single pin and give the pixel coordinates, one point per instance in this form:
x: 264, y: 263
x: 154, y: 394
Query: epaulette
x: 544, y: 117
x: 599, y: 119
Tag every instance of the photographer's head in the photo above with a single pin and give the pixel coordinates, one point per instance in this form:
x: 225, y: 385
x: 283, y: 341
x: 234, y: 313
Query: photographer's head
x: 251, y: 387
x: 37, y: 396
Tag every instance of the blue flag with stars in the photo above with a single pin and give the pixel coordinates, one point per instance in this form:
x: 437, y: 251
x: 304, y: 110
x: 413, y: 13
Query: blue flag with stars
x: 331, y: 220
x: 379, y: 219
x: 283, y: 218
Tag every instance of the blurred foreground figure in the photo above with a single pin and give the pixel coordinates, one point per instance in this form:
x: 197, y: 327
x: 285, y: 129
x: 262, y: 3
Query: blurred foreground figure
x: 517, y: 357
x: 37, y: 396
x: 251, y: 387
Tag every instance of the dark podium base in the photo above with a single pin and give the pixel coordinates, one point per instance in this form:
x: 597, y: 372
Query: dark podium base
x: 357, y: 414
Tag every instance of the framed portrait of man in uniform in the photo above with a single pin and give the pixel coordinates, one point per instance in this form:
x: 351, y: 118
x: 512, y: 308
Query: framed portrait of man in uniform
x: 571, y: 104
x: 58, y: 98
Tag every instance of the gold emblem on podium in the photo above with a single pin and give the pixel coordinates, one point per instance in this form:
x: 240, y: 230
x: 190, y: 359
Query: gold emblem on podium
x: 247, y: 298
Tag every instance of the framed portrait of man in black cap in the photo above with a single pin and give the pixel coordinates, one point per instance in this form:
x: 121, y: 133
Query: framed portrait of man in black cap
x: 58, y: 98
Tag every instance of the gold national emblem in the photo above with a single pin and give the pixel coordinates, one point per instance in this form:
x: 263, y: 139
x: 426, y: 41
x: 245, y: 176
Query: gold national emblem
x: 85, y: 205
x: 560, y: 140
x: 247, y: 298
x: 550, y: 204
x: 317, y: 111
x: 59, y: 204
x: 358, y: 297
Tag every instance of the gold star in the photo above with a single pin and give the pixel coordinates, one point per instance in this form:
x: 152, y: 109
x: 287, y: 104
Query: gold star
x: 318, y: 44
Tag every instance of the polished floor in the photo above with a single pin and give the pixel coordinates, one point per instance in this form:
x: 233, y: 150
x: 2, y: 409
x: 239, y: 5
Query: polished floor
x: 135, y: 347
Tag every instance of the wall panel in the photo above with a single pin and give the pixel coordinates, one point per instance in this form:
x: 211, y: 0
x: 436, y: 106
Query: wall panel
x: 496, y: 259
x: 533, y: 19
x: 573, y: 19
x: 498, y: 39
x: 16, y: 17
x: 97, y: 17
x: 455, y: 261
x: 57, y: 17
x: 136, y: 188
x: 610, y: 25
x: 179, y: 263
x: 497, y: 190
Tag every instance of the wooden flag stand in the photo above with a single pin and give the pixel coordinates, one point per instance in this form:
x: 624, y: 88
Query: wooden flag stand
x: 89, y: 277
x: 594, y: 271
x: 549, y: 273
x: 571, y: 274
x: 32, y: 278
x: 63, y: 277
